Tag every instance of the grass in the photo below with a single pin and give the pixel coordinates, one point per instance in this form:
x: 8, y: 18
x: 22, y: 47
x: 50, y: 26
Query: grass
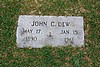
x: 88, y: 56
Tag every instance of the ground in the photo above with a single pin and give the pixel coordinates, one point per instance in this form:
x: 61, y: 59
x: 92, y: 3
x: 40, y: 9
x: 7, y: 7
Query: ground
x: 87, y: 56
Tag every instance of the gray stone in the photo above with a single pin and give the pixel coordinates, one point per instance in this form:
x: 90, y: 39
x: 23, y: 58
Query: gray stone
x: 39, y: 31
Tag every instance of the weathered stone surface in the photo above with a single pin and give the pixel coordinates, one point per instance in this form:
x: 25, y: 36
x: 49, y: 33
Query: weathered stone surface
x: 38, y: 31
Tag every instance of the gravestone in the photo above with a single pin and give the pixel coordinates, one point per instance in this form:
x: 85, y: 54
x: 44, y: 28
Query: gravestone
x: 39, y: 31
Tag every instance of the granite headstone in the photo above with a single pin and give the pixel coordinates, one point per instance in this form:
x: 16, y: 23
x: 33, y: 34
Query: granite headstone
x: 39, y: 31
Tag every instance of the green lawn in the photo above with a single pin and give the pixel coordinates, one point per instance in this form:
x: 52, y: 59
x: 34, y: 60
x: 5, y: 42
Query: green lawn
x: 11, y: 56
